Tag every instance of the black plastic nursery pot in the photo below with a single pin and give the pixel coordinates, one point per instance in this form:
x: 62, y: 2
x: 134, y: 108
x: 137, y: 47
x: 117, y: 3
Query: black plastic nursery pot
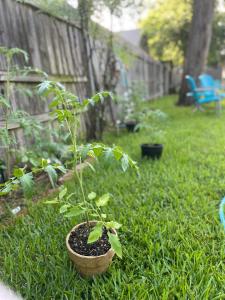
x: 131, y: 125
x: 153, y: 151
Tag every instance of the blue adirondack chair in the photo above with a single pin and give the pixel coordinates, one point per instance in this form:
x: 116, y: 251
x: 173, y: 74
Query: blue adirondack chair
x: 207, y: 81
x: 201, y: 95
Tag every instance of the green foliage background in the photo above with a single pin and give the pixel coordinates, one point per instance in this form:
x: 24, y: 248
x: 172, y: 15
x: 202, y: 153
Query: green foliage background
x: 167, y: 26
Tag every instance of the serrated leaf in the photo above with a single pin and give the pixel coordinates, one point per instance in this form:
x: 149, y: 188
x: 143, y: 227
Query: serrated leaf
x: 94, y: 215
x: 44, y: 87
x: 115, y: 244
x: 125, y: 162
x: 27, y: 184
x: 52, y: 174
x: 117, y: 152
x: 62, y: 169
x: 18, y: 172
x: 54, y: 201
x: 97, y: 149
x: 64, y: 208
x: 44, y: 162
x: 6, y: 189
x: 95, y: 234
x: 108, y: 153
x: 92, y: 196
x: 75, y: 211
x: 113, y: 225
x: 91, y: 153
x: 62, y: 192
x: 95, y: 98
x: 103, y: 200
x: 54, y: 103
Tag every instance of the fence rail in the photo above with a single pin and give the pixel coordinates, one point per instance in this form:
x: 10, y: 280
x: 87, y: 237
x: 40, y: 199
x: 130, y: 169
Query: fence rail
x: 56, y: 46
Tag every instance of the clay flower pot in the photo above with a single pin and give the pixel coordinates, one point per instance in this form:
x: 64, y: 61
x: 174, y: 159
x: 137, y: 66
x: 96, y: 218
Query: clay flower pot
x: 89, y: 266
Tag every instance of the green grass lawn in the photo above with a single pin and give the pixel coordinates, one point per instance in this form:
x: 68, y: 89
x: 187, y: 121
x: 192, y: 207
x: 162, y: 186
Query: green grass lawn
x: 173, y: 242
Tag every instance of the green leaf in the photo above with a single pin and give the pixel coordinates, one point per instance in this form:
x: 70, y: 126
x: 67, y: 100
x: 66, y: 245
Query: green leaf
x: 18, y: 172
x: 108, y: 153
x: 95, y: 234
x: 70, y: 196
x: 44, y: 87
x: 62, y: 192
x: 103, y: 200
x: 27, y: 184
x: 92, y: 196
x: 117, y: 151
x: 125, y: 162
x: 44, y: 162
x: 115, y: 244
x: 5, y: 102
x: 61, y: 168
x: 103, y: 216
x: 90, y: 166
x: 54, y: 201
x: 113, y: 225
x: 52, y: 174
x: 91, y: 153
x: 7, y: 187
x: 97, y: 149
x: 64, y: 208
x: 54, y: 103
x: 75, y: 211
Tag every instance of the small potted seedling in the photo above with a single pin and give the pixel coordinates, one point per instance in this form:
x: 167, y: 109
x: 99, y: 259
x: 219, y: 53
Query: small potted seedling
x: 92, y: 243
x: 135, y: 97
x: 131, y: 122
x: 152, y: 149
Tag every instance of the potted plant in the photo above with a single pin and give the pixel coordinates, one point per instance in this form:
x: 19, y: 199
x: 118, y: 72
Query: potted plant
x: 91, y: 244
x: 130, y: 105
x: 150, y: 122
x: 131, y: 122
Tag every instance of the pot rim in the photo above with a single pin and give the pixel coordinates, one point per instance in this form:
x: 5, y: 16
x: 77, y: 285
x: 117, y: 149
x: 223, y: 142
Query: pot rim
x: 131, y: 122
x: 152, y: 145
x: 85, y: 256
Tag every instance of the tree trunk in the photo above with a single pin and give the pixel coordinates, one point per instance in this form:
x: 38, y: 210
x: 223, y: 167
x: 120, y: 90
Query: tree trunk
x: 198, y: 44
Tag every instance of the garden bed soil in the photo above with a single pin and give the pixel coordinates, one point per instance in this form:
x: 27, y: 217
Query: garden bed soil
x: 78, y: 242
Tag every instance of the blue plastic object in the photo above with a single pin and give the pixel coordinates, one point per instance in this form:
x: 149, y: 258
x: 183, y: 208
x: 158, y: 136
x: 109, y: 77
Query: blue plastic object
x: 203, y: 94
x: 207, y: 81
x: 221, y: 212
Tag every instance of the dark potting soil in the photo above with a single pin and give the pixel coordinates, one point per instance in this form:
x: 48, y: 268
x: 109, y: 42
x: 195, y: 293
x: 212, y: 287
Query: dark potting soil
x: 78, y: 242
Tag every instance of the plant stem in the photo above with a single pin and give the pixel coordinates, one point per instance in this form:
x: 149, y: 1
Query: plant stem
x: 8, y: 167
x: 72, y: 127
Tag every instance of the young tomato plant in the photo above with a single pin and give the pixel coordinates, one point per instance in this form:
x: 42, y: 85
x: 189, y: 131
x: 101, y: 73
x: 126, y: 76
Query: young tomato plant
x: 31, y: 127
x: 6, y: 139
x: 25, y: 180
x: 67, y: 109
x: 151, y: 121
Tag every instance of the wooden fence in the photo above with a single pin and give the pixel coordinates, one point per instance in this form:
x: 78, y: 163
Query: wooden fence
x: 55, y: 46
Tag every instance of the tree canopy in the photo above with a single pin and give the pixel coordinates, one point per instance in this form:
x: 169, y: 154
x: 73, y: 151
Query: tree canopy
x: 167, y: 26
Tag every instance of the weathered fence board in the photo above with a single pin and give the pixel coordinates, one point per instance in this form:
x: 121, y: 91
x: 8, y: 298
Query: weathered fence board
x: 55, y: 46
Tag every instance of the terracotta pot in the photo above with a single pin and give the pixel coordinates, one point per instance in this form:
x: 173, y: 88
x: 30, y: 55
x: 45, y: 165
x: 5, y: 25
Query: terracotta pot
x: 89, y: 265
